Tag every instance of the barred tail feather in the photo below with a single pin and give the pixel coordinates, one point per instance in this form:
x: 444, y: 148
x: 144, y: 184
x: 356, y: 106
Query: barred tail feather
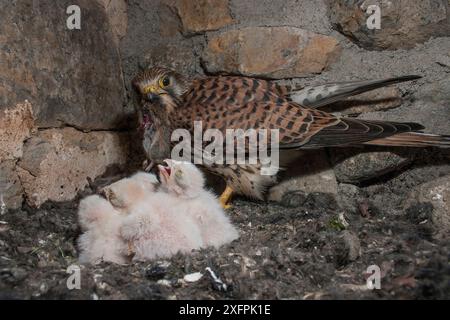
x: 413, y: 139
x: 319, y: 96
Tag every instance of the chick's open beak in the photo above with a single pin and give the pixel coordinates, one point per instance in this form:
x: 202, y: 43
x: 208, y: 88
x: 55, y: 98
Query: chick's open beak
x: 165, y: 171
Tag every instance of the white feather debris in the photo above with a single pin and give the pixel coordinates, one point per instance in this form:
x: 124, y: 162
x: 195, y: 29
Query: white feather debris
x: 3, y: 208
x: 342, y: 220
x: 164, y: 282
x: 218, y: 283
x: 193, y: 277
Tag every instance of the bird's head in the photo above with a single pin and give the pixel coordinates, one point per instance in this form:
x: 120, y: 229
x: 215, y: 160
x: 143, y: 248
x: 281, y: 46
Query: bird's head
x: 125, y: 193
x: 181, y: 178
x: 160, y: 88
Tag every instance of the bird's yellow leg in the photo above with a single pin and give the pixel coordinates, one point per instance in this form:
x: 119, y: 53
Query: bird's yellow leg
x: 225, y: 198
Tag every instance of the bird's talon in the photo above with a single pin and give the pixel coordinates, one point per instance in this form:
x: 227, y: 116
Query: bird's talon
x: 225, y: 198
x: 226, y: 206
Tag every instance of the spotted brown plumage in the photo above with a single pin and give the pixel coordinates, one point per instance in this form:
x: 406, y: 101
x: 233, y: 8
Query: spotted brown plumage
x: 231, y: 102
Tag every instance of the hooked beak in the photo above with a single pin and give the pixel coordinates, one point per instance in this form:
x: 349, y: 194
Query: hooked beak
x: 151, y: 97
x: 151, y: 93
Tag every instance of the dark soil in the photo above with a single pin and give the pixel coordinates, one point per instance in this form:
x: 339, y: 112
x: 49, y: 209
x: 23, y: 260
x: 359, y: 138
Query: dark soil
x: 283, y: 253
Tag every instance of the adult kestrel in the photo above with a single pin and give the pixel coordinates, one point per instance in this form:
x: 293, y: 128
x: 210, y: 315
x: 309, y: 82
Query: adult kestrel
x: 231, y: 102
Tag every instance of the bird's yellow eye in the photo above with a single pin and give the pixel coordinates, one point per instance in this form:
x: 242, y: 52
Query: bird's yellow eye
x: 164, y: 82
x: 178, y: 174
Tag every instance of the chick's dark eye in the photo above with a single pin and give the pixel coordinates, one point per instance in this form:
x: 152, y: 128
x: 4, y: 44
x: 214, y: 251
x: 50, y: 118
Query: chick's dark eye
x: 166, y: 81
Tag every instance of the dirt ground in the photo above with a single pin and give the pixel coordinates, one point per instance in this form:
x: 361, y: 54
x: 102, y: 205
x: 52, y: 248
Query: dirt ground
x: 305, y: 252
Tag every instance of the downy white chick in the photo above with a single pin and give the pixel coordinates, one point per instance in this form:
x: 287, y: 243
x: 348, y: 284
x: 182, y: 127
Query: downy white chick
x: 101, y: 220
x: 155, y: 230
x: 182, y: 216
x: 129, y: 192
x: 100, y: 240
x: 185, y: 182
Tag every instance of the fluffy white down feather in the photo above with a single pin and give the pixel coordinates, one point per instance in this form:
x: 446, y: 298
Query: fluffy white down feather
x: 149, y: 223
x: 101, y: 240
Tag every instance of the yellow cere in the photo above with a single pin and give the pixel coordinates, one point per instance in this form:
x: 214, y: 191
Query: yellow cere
x: 150, y: 89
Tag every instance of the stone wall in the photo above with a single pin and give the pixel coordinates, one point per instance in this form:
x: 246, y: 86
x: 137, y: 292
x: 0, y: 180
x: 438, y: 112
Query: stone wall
x: 60, y: 89
x: 62, y: 98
